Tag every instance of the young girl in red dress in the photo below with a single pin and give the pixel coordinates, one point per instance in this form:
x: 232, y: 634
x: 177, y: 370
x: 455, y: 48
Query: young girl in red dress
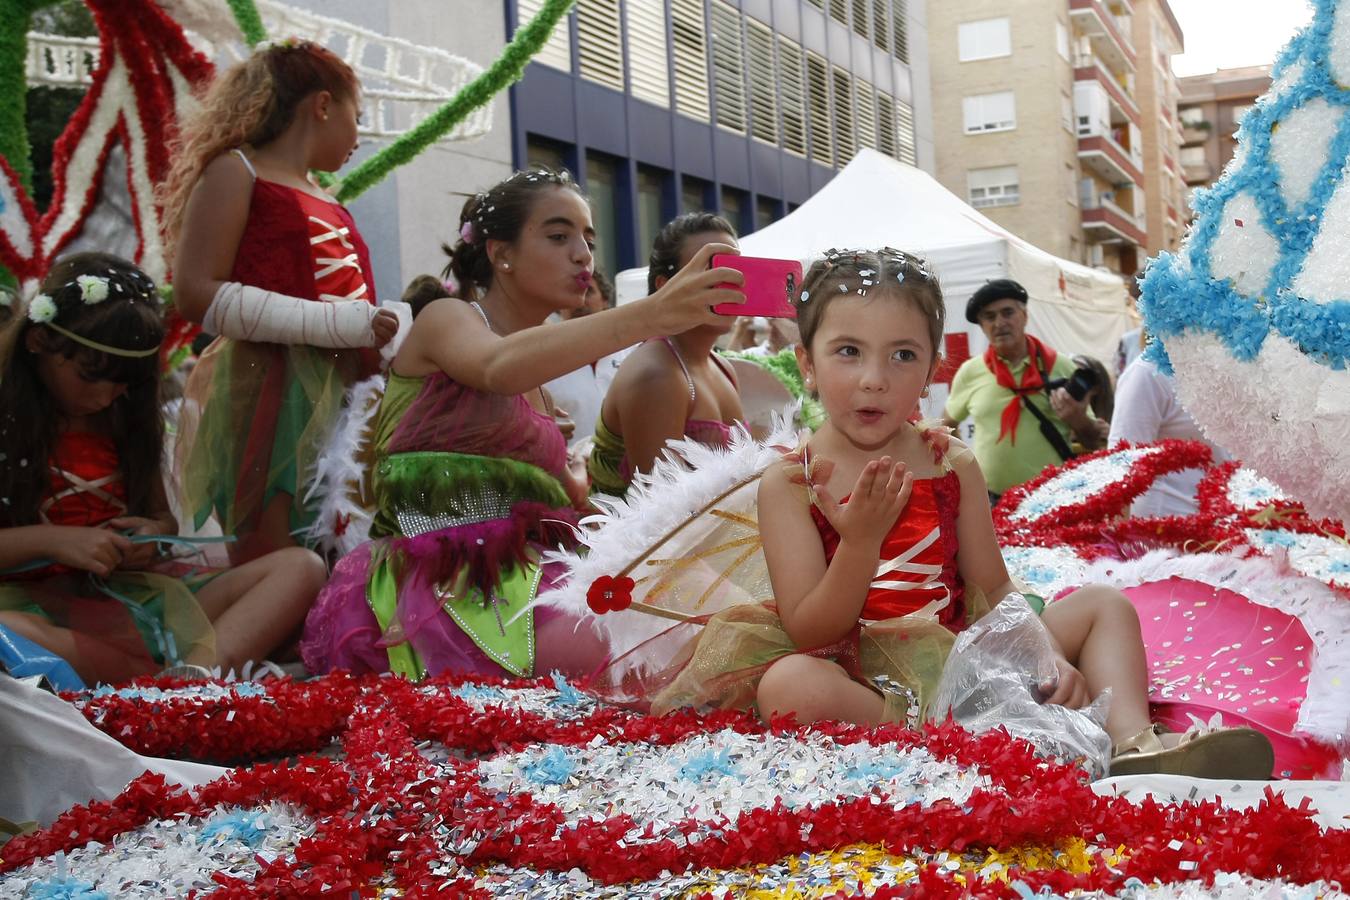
x: 82, y: 498
x: 880, y: 548
x: 268, y: 261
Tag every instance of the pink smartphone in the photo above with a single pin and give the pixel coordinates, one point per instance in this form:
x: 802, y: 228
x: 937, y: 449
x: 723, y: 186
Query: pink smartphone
x: 770, y: 286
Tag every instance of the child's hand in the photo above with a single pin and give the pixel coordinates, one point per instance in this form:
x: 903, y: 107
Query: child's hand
x: 687, y: 299
x: 94, y: 550
x: 384, y: 325
x: 566, y: 424
x: 1069, y: 687
x: 141, y: 555
x: 881, y: 493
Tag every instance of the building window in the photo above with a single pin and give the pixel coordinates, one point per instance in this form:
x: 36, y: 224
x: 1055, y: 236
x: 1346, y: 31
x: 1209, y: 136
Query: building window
x: 694, y: 194
x: 1071, y: 180
x: 602, y: 186
x: 557, y: 50
x: 860, y: 18
x: 648, y: 61
x: 865, y: 110
x: 543, y: 152
x: 691, y: 58
x: 1066, y: 112
x: 766, y: 212
x: 599, y: 43
x: 733, y: 208
x: 1239, y: 112
x: 651, y: 215
x: 792, y: 96
x: 905, y: 148
x: 1191, y: 116
x: 990, y: 112
x: 818, y: 98
x: 886, y: 142
x: 763, y: 84
x: 900, y: 30
x: 992, y: 187
x: 1193, y: 156
x: 728, y: 67
x: 985, y: 39
x: 881, y: 32
x: 1062, y: 40
x: 843, y: 115
x: 839, y: 11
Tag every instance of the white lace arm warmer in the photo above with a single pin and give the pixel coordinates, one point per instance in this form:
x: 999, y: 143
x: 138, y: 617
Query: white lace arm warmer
x: 248, y: 313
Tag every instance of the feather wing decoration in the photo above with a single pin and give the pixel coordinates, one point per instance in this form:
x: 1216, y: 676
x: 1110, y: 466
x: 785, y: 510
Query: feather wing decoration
x: 688, y: 536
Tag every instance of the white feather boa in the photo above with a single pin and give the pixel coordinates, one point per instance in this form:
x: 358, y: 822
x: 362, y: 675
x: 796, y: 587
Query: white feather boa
x: 334, y: 486
x: 683, y: 482
x: 1324, y: 613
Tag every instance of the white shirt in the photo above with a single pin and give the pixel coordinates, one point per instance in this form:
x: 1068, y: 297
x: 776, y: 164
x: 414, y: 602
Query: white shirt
x: 581, y: 392
x: 1147, y: 410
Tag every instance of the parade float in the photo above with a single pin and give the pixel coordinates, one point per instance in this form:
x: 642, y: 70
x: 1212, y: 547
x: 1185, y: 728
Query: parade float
x: 377, y: 786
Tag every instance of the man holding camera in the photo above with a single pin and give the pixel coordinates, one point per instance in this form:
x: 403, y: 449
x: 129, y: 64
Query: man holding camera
x: 1029, y: 403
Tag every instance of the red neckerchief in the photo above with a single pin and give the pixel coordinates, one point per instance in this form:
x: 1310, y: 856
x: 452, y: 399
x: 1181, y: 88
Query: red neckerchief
x: 1041, y: 358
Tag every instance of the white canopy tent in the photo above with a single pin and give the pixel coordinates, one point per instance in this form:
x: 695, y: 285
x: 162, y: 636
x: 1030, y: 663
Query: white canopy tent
x: 877, y: 201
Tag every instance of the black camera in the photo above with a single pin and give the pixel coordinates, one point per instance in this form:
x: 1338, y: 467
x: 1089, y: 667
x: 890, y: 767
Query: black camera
x: 1078, y: 384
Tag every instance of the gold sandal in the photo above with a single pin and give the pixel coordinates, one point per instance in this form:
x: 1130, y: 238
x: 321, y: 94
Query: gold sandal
x: 1231, y: 754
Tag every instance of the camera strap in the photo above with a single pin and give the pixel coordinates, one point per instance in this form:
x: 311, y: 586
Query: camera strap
x: 1048, y: 429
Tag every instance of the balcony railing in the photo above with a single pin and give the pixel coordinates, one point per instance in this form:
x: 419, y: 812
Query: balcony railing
x: 1110, y: 218
x: 1087, y: 67
x: 1113, y: 29
x: 1110, y: 160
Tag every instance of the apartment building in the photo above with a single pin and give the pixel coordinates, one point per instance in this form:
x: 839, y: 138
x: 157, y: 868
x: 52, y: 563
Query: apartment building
x: 1043, y: 119
x: 746, y: 107
x: 1210, y: 110
x: 1157, y: 38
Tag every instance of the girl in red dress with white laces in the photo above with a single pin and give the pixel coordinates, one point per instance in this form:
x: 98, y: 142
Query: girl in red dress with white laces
x: 86, y: 534
x: 273, y: 265
x: 880, y: 548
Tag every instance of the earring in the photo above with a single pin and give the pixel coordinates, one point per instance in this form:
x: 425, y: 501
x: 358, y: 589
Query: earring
x: 506, y: 267
x: 924, y: 392
x: 809, y: 382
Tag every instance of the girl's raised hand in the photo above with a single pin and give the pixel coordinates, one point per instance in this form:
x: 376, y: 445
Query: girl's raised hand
x: 880, y: 494
x: 687, y: 299
x: 94, y: 550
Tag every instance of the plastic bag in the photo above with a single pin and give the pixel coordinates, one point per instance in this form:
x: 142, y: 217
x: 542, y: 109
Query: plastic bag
x: 994, y: 678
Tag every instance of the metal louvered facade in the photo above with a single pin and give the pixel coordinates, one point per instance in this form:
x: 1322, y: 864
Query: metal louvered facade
x: 744, y: 108
x: 600, y: 42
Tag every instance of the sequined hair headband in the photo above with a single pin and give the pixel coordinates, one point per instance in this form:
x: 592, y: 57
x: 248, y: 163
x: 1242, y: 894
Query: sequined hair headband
x: 475, y: 228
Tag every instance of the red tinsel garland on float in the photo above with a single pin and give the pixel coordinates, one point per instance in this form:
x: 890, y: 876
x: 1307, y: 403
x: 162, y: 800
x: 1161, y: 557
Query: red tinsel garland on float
x: 376, y: 810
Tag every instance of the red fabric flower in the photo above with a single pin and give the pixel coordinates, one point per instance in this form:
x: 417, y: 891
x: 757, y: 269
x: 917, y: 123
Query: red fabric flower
x: 610, y: 594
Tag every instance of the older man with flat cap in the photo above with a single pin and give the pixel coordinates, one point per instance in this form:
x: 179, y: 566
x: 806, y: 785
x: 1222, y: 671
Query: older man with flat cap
x: 1018, y: 430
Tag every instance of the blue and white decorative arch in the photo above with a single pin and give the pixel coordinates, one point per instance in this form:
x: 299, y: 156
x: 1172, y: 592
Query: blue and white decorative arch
x: 1253, y: 312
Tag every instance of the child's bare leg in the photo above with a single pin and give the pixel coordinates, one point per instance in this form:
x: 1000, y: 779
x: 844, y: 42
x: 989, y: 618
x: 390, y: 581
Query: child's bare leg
x: 273, y: 532
x: 815, y: 689
x: 1097, y: 629
x: 254, y: 607
x: 91, y: 659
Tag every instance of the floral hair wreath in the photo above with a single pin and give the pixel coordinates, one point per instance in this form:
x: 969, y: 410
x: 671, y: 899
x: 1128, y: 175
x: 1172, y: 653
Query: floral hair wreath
x: 94, y: 289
